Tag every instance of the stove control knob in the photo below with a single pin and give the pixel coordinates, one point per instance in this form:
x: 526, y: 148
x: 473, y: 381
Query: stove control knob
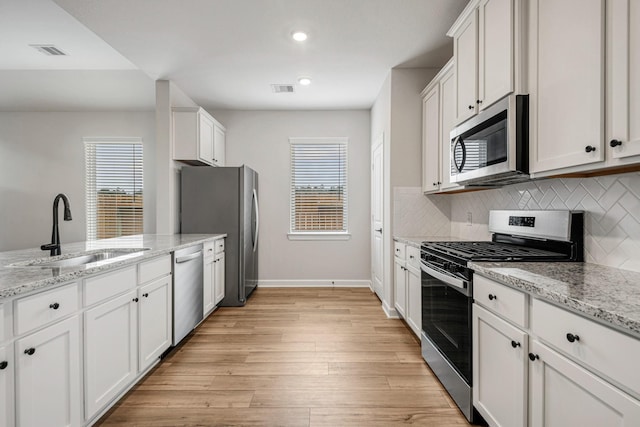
x: 453, y: 268
x: 446, y: 265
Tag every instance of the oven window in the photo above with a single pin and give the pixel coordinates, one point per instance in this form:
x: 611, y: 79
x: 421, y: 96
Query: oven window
x: 446, y: 320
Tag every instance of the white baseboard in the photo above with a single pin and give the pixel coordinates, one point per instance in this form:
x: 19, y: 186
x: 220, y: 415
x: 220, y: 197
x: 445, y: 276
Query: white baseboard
x: 314, y: 283
x: 391, y: 313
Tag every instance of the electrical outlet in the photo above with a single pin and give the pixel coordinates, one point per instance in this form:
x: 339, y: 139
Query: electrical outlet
x: 469, y: 219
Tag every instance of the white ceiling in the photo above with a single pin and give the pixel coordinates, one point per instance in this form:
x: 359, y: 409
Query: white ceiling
x: 224, y: 53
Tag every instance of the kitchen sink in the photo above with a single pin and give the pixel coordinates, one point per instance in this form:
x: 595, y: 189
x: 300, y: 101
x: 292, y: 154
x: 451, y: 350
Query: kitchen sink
x: 78, y: 259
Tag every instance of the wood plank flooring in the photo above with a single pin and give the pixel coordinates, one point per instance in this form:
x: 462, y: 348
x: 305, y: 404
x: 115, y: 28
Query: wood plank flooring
x: 293, y: 357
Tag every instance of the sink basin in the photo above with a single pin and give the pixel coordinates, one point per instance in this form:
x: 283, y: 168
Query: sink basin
x: 78, y: 259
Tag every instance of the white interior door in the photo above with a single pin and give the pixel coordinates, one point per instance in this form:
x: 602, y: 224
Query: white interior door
x: 377, y: 262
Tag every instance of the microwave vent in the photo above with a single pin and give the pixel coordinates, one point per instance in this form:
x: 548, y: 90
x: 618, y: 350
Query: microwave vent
x: 48, y: 49
x: 283, y: 88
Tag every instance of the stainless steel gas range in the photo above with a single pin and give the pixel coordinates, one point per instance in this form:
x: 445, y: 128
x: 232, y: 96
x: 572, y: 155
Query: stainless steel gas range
x: 447, y: 285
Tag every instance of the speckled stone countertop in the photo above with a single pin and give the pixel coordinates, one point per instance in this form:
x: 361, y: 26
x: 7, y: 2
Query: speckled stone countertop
x: 19, y: 279
x: 607, y: 294
x: 417, y: 240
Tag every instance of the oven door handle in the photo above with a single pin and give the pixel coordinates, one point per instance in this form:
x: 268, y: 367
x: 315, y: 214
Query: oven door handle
x: 458, y: 283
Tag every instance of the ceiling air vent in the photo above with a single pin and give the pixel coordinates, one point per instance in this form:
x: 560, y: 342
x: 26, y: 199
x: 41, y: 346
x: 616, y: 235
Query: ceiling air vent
x: 48, y: 49
x: 283, y: 88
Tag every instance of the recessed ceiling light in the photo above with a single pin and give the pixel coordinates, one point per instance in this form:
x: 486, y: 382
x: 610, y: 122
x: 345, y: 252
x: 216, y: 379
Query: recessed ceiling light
x: 299, y: 36
x: 304, y: 81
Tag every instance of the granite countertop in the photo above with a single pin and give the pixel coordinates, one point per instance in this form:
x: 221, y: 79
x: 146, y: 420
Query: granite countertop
x: 15, y: 280
x: 416, y: 241
x: 608, y: 294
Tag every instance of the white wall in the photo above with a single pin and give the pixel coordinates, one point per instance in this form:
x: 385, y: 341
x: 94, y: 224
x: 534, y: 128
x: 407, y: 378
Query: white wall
x: 42, y: 154
x: 260, y: 139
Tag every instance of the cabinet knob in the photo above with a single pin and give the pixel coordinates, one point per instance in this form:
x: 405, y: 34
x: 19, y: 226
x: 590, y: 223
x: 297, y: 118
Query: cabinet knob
x: 615, y: 143
x: 533, y: 357
x: 515, y: 344
x: 434, y: 184
x: 411, y: 256
x: 135, y: 300
x: 4, y: 364
x: 572, y: 338
x: 589, y: 148
x: 146, y: 295
x: 30, y: 351
x: 492, y: 297
x: 439, y: 182
x: 471, y: 107
x: 54, y: 306
x: 479, y: 101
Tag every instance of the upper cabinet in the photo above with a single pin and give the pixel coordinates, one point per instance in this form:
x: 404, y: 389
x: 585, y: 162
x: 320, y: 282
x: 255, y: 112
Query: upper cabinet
x: 488, y: 40
x: 566, y: 83
x: 198, y: 138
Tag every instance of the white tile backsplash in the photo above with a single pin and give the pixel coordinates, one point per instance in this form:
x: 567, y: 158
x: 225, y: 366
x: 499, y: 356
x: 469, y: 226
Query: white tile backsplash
x: 611, y: 204
x: 417, y: 215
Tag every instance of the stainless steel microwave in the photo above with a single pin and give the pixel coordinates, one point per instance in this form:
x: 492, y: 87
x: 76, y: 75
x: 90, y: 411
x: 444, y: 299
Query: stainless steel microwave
x: 492, y: 148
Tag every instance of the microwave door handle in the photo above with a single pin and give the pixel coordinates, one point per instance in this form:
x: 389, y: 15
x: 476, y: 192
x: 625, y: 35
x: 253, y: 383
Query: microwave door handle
x: 460, y: 142
x: 458, y: 283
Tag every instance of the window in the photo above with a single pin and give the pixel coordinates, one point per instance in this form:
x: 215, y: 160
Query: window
x: 113, y: 187
x: 318, y: 188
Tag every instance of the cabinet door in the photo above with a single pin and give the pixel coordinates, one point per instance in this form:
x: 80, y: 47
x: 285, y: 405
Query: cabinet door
x: 495, y: 50
x: 110, y: 346
x: 465, y: 48
x: 6, y: 386
x: 566, y: 53
x: 48, y: 376
x: 205, y: 138
x: 219, y: 151
x: 447, y: 122
x: 499, y: 370
x: 431, y: 140
x: 219, y: 278
x: 154, y: 320
x: 414, y: 304
x: 564, y: 394
x: 400, y: 288
x: 208, y: 291
x: 623, y: 85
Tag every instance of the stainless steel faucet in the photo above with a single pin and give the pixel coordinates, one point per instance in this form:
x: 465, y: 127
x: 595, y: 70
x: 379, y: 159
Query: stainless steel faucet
x: 54, y: 246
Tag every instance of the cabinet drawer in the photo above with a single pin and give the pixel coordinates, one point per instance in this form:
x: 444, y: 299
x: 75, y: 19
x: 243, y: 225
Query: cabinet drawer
x: 502, y: 300
x: 219, y: 245
x: 110, y: 284
x: 399, y: 250
x: 46, y: 307
x: 413, y: 257
x: 208, y: 248
x: 608, y: 351
x: 154, y: 268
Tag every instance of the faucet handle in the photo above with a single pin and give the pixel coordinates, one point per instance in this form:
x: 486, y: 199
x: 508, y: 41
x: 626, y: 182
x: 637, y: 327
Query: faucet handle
x: 49, y: 246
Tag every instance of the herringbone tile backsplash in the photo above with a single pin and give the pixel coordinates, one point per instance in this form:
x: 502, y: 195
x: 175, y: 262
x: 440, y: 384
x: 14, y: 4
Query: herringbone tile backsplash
x: 611, y: 205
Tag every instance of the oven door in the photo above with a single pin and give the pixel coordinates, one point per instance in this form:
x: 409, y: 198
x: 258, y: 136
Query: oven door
x: 446, y: 317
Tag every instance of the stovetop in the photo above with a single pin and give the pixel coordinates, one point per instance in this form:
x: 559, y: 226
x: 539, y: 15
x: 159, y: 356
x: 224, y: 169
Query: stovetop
x: 490, y: 251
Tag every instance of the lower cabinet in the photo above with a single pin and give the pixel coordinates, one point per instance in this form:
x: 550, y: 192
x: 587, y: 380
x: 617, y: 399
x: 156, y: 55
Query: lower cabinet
x: 110, y: 345
x: 400, y: 288
x: 565, y: 394
x: 208, y: 281
x: 48, y: 387
x: 414, y: 300
x: 219, y: 278
x: 499, y: 370
x: 6, y: 386
x: 154, y: 321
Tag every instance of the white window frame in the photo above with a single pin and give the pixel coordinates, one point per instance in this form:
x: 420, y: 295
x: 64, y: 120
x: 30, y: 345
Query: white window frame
x: 91, y: 191
x: 319, y: 235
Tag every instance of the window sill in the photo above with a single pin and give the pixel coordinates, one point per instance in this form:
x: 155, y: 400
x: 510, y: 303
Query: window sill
x: 319, y: 236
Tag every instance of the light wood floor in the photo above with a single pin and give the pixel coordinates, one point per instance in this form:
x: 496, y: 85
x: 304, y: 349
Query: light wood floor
x: 293, y: 357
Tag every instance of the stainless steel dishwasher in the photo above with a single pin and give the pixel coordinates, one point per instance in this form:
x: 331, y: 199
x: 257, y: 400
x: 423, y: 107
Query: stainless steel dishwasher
x: 187, y: 291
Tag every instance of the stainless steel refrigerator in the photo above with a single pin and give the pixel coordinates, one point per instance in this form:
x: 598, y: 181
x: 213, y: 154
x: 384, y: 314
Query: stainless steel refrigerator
x: 225, y: 200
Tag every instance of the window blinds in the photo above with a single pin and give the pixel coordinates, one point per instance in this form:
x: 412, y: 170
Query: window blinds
x: 318, y: 185
x: 114, y: 184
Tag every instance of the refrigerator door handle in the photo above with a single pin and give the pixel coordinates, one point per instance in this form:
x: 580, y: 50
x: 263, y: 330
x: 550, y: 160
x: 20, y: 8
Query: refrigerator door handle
x: 255, y: 206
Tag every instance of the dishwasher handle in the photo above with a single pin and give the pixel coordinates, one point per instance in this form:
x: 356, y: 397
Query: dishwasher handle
x: 188, y: 258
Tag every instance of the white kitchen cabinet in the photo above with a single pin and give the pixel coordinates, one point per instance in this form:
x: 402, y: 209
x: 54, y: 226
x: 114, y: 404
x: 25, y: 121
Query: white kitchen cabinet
x: 400, y: 288
x: 623, y: 82
x: 208, y: 277
x: 6, y: 386
x: 110, y: 346
x: 414, y: 299
x: 47, y: 375
x: 154, y: 321
x: 408, y: 285
x: 500, y: 363
x: 219, y: 278
x: 566, y: 82
x: 198, y: 139
x: 465, y: 53
x: 565, y: 394
x: 431, y: 142
x: 447, y: 122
